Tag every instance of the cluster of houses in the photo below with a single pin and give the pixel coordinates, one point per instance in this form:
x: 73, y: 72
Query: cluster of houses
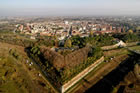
x: 62, y: 29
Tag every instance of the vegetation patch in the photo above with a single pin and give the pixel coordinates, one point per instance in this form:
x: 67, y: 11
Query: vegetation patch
x: 61, y: 69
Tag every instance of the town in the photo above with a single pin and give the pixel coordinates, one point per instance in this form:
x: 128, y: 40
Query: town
x: 63, y: 28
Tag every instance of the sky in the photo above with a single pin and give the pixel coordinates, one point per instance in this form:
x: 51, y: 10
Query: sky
x: 69, y: 7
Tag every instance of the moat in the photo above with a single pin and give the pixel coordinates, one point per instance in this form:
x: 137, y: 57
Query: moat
x: 112, y: 81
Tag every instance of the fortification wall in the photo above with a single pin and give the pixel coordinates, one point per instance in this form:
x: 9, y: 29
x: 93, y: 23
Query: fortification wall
x: 74, y: 80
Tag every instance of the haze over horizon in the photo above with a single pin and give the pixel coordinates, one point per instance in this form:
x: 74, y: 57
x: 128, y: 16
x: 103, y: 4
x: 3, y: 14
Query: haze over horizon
x: 69, y: 7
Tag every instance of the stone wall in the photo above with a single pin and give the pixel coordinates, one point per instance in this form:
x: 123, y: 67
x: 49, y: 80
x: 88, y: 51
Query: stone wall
x: 74, y: 80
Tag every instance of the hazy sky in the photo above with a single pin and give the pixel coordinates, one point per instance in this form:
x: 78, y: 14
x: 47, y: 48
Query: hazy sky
x: 68, y: 7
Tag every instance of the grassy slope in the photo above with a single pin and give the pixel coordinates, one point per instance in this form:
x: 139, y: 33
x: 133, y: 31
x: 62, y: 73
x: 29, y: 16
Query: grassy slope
x: 16, y: 76
x: 8, y: 72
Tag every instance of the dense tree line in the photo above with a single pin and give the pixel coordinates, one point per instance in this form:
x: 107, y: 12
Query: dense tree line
x: 100, y: 40
x: 45, y: 65
x: 78, y: 41
x: 129, y: 37
x: 96, y: 40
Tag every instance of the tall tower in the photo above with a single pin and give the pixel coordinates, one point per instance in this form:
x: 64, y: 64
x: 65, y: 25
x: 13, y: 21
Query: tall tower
x: 70, y: 31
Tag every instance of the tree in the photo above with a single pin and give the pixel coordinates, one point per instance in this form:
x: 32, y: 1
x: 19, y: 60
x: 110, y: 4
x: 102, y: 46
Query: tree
x: 131, y: 38
x: 56, y: 43
x: 130, y: 31
x: 95, y: 52
x: 91, y: 34
x: 78, y: 41
x: 36, y: 50
x: 68, y: 43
